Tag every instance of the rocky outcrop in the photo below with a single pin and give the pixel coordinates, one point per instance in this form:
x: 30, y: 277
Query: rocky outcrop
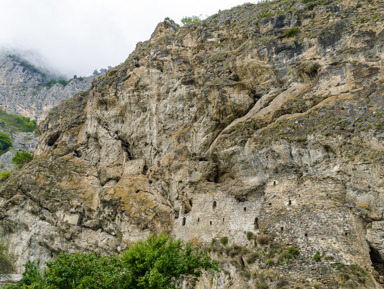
x: 23, y: 88
x: 262, y: 118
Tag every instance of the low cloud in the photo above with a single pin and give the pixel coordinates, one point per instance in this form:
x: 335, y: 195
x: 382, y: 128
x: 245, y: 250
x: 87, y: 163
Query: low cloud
x: 77, y: 36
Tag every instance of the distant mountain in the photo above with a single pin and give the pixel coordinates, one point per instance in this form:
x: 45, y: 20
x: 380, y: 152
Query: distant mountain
x: 31, y: 91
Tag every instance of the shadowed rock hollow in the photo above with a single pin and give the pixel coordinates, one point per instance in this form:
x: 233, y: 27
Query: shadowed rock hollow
x: 260, y: 118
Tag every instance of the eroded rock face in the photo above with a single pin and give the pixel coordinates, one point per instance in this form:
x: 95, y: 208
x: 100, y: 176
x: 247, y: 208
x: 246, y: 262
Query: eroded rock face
x: 22, y: 89
x: 214, y: 129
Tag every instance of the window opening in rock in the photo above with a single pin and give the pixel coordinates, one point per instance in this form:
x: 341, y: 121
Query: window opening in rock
x: 190, y: 203
x: 256, y: 223
x: 210, y: 222
x: 274, y: 183
x: 289, y: 202
x: 184, y: 221
x: 198, y: 219
x: 346, y: 233
x: 214, y: 204
x: 270, y: 204
x: 282, y: 229
x: 223, y: 220
x: 306, y: 235
x: 245, y: 209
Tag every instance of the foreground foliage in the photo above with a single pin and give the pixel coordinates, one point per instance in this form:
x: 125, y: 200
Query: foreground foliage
x: 157, y: 263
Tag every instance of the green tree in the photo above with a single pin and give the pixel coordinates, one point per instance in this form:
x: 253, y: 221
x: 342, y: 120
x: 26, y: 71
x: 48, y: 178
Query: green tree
x: 157, y: 263
x: 5, y: 142
x: 189, y: 20
x: 21, y: 158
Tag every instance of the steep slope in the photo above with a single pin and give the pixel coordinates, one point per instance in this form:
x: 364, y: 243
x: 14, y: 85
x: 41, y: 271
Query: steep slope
x: 26, y: 90
x: 262, y: 118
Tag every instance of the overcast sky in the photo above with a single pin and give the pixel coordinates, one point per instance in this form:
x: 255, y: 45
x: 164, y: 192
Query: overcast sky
x: 77, y: 36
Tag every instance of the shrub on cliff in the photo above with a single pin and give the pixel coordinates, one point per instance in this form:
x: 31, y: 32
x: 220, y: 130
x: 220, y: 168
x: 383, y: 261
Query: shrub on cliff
x: 21, y: 158
x: 4, y: 175
x: 157, y: 263
x: 5, y: 142
x: 189, y: 20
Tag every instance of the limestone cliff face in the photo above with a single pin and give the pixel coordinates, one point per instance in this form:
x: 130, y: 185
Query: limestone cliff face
x: 22, y: 89
x: 262, y: 117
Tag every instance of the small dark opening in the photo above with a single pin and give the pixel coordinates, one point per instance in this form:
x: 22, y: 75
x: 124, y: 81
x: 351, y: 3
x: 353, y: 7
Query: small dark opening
x: 377, y: 260
x: 77, y: 154
x: 223, y: 220
x: 184, y: 221
x: 256, y: 223
x: 245, y: 209
x: 346, y: 233
x: 53, y: 138
x: 198, y: 219
x: 282, y: 229
x: 289, y: 202
x: 210, y: 222
x: 274, y: 183
x: 306, y: 235
x: 190, y: 203
x: 214, y: 204
x: 270, y: 204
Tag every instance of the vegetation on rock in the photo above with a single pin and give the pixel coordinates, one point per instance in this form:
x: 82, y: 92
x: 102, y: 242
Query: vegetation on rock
x: 5, y: 142
x: 14, y: 122
x: 21, y: 158
x: 157, y: 263
x: 189, y: 20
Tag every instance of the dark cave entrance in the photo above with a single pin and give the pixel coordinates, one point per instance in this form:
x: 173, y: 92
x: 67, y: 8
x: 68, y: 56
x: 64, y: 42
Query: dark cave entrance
x: 377, y: 261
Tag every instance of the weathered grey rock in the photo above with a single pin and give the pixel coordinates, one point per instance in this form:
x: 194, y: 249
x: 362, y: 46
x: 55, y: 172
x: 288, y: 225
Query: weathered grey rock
x: 22, y: 89
x: 171, y: 141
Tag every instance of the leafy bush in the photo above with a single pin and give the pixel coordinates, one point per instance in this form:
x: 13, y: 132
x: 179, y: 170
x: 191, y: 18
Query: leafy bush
x: 189, y: 20
x: 159, y: 262
x: 5, y: 142
x: 21, y: 158
x: 224, y: 240
x: 27, y: 124
x: 4, y: 175
x: 294, y: 251
x: 317, y: 256
x: 156, y: 263
x: 292, y: 31
x: 52, y: 82
x: 250, y: 236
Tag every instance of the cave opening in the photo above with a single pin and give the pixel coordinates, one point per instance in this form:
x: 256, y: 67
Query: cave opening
x: 377, y: 260
x: 214, y: 205
x: 184, y: 221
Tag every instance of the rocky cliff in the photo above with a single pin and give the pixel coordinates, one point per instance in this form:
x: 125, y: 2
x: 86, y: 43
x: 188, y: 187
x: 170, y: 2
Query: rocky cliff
x: 263, y: 118
x: 25, y: 89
